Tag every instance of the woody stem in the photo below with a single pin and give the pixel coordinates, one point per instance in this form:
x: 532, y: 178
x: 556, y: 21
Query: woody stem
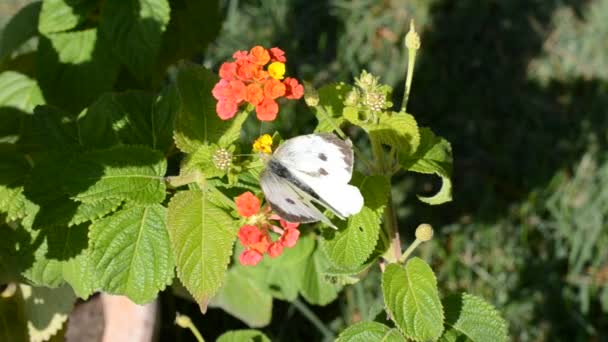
x: 390, y: 225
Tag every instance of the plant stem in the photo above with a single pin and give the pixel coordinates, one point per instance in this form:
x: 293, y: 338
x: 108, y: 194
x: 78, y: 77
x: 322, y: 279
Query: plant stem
x: 390, y: 220
x: 306, y: 312
x: 409, y: 250
x: 186, y: 323
x: 412, y: 43
x: 361, y: 301
x: 177, y: 181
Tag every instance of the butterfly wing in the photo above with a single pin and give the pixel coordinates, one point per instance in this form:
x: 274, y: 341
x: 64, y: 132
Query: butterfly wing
x: 289, y: 202
x: 321, y: 165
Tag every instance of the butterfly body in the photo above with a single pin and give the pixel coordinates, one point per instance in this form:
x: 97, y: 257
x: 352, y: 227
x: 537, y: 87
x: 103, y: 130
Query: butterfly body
x: 307, y: 169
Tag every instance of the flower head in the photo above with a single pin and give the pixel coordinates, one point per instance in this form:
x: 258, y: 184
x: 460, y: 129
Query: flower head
x: 256, y: 77
x: 263, y: 144
x: 255, y: 233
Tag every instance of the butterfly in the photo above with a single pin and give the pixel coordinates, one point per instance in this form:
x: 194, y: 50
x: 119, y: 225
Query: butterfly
x: 308, y: 169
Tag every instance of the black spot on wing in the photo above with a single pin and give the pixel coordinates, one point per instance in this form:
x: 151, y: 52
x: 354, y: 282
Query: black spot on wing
x: 345, y: 146
x: 322, y: 156
x: 291, y: 217
x: 290, y: 201
x: 322, y: 172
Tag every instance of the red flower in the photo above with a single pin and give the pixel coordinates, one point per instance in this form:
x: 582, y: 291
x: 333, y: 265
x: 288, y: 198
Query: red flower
x: 275, y: 249
x: 250, y: 257
x: 267, y: 110
x: 247, y: 204
x: 277, y: 55
x: 294, y: 89
x: 290, y: 237
x: 254, y: 77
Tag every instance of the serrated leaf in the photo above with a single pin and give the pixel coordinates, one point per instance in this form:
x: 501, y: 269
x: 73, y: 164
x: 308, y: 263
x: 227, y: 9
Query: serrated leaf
x: 470, y: 318
x: 315, y: 289
x: 75, y: 62
x: 133, y: 173
x: 52, y: 128
x: 331, y: 105
x: 433, y: 156
x: 132, y: 253
x: 202, y: 236
x: 63, y: 15
x: 244, y: 299
x: 164, y: 110
x: 353, y: 242
x: 14, y: 203
x: 20, y: 28
x: 46, y: 310
x: 398, y: 130
x: 119, y: 118
x: 19, y: 91
x: 15, y: 252
x: 13, y: 324
x: 245, y: 335
x: 136, y: 27
x: 197, y: 122
x: 412, y: 299
x: 370, y: 332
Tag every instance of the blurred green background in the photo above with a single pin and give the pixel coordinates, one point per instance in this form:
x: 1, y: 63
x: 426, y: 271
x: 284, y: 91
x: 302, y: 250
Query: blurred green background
x: 520, y: 89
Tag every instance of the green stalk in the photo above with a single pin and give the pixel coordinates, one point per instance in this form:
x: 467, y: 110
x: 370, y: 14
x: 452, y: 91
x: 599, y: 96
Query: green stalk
x: 186, y: 323
x: 412, y: 42
x: 306, y: 312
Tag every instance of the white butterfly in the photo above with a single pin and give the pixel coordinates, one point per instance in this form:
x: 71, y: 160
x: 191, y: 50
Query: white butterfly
x: 311, y: 168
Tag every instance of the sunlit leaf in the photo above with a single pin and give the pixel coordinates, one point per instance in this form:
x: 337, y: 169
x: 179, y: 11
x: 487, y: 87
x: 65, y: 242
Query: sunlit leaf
x: 370, y: 332
x: 470, y: 318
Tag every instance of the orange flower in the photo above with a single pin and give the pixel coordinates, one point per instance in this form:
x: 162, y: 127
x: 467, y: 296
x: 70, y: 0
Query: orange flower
x: 247, y: 204
x: 274, y: 89
x: 259, y: 55
x: 226, y: 109
x: 228, y: 71
x: 267, y: 110
x: 294, y: 90
x: 254, y: 94
x: 277, y: 55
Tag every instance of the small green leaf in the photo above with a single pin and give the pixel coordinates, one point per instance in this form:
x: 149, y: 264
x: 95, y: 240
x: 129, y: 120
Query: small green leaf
x: 118, y: 118
x: 75, y: 62
x: 132, y: 253
x: 197, y: 122
x: 133, y: 173
x: 19, y: 91
x: 315, y: 289
x: 370, y: 332
x: 246, y: 335
x: 135, y: 28
x: 63, y: 15
x: 331, y: 105
x: 353, y: 242
x: 202, y: 160
x: 398, y: 130
x: 469, y: 318
x: 412, y: 298
x: 202, y: 236
x: 244, y: 299
x: 46, y: 310
x: 433, y: 156
x: 19, y: 29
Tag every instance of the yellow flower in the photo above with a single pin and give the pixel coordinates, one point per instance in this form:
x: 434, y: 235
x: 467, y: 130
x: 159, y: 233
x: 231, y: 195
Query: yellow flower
x: 276, y: 70
x: 263, y: 144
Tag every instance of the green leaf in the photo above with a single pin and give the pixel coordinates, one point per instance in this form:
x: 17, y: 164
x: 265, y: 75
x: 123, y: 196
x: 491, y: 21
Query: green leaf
x: 244, y: 299
x: 412, y: 299
x: 245, y: 335
x: 370, y: 332
x: 63, y: 15
x: 433, y: 156
x: 13, y: 170
x: 131, y: 252
x: 118, y: 118
x: 46, y: 310
x: 15, y: 252
x: 331, y: 105
x: 202, y: 236
x: 353, y: 242
x: 19, y: 29
x: 19, y: 91
x: 164, y: 112
x: 185, y: 35
x: 470, y: 318
x: 398, y: 130
x: 133, y: 173
x: 202, y: 160
x: 13, y: 324
x: 75, y: 62
x: 52, y: 128
x: 135, y: 28
x: 197, y: 122
x: 315, y: 289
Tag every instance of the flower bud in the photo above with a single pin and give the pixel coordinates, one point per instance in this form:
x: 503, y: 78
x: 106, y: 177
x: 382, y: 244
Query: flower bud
x: 311, y: 95
x: 424, y: 232
x: 222, y: 159
x: 412, y: 39
x: 183, y: 321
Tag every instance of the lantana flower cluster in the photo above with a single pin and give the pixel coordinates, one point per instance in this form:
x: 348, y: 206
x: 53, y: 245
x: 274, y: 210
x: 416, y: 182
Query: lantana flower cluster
x: 255, y: 233
x: 255, y: 77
